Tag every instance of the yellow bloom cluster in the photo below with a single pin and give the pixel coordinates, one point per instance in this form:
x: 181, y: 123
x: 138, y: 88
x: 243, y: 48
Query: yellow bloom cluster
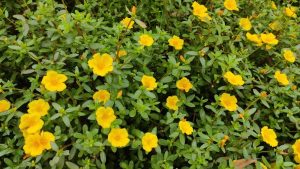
x: 36, y: 141
x: 269, y: 39
x: 31, y: 123
x: 119, y: 137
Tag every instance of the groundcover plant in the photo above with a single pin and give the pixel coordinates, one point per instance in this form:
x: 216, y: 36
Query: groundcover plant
x: 149, y: 84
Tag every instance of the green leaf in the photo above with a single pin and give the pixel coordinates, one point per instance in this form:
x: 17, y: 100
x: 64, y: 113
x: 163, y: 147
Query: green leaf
x: 54, y: 146
x: 66, y: 120
x: 71, y: 165
x: 149, y: 94
x: 14, y: 47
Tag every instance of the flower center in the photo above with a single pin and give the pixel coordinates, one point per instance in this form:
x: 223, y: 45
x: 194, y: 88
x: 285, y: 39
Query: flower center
x: 117, y: 137
x: 54, y: 81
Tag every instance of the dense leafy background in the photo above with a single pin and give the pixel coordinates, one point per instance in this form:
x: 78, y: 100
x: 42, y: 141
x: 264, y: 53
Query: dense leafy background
x: 36, y: 36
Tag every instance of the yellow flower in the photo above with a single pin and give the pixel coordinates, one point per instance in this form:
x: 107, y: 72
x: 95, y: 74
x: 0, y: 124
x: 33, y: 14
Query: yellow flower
x: 54, y: 81
x: 236, y: 80
x: 273, y: 5
x: 127, y: 23
x: 39, y: 107
x: 223, y: 141
x: 245, y: 24
x: 185, y: 127
x: 263, y: 94
x: 101, y: 96
x: 172, y: 102
x: 220, y: 12
x: 290, y: 11
x: 149, y: 82
x: 276, y: 25
x: 294, y: 87
x: 35, y: 144
x: 269, y: 136
x: 101, y: 64
x: 149, y: 141
x: 184, y: 84
x: 201, y: 12
x: 121, y: 53
x: 176, y: 42
x: 228, y: 102
x: 30, y: 123
x: 269, y: 38
x: 118, y: 137
x: 105, y: 116
x: 120, y: 93
x: 4, y: 105
x: 281, y: 78
x: 146, y: 40
x: 133, y: 10
x: 231, y: 5
x: 254, y: 38
x: 198, y: 9
x: 181, y: 57
x: 289, y: 56
x: 296, y: 147
x: 262, y: 166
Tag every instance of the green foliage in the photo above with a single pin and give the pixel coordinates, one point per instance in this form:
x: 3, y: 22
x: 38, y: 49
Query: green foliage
x: 36, y: 36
